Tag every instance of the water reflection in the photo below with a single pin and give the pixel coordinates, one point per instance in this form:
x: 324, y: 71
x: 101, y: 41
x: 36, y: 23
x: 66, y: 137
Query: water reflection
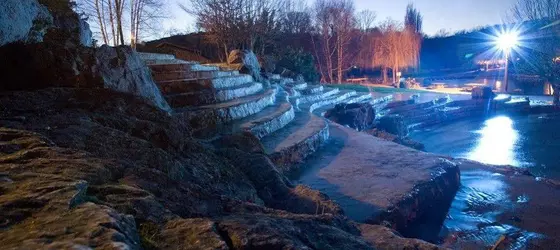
x: 496, y: 144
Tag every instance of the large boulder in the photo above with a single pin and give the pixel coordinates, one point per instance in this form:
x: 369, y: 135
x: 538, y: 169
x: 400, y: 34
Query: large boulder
x: 482, y: 93
x: 394, y: 124
x: 248, y: 61
x: 359, y: 116
x: 23, y: 21
x: 121, y: 69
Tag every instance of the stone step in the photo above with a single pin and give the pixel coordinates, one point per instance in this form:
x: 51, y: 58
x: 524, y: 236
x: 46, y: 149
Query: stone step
x: 226, y: 112
x: 376, y: 180
x: 216, y: 73
x: 180, y: 66
x: 173, y: 75
x: 299, y: 139
x: 165, y: 76
x: 312, y: 89
x: 313, y: 98
x: 330, y: 101
x: 194, y: 85
x: 269, y: 120
x: 212, y: 96
x: 360, y: 97
x: 155, y: 56
x: 296, y: 86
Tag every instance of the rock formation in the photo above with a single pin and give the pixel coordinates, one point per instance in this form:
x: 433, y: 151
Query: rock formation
x: 23, y: 21
x: 358, y: 116
x: 247, y: 61
x: 483, y: 93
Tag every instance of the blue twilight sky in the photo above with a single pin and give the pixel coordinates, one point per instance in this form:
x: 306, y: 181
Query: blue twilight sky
x: 450, y: 15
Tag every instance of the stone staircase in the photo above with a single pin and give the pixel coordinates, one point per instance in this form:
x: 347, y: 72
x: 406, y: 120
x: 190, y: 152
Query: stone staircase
x: 373, y: 180
x: 280, y: 115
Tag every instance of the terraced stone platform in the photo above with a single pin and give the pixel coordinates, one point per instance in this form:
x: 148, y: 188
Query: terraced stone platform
x: 375, y: 181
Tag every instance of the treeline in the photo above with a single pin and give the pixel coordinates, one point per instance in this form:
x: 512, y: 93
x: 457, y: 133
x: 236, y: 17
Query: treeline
x: 328, y: 37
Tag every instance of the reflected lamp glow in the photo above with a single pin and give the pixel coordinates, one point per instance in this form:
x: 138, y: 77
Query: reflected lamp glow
x: 497, y: 142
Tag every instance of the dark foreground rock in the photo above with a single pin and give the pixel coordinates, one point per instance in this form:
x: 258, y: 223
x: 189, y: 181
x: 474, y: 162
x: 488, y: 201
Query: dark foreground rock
x: 359, y: 116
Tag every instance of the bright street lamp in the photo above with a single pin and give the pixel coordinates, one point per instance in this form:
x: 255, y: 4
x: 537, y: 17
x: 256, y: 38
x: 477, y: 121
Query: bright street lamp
x: 507, y: 41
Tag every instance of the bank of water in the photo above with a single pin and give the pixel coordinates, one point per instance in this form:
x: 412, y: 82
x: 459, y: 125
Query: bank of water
x: 476, y: 214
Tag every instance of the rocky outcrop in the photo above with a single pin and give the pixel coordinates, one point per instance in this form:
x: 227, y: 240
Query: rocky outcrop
x: 246, y: 152
x: 248, y: 63
x: 30, y: 67
x: 358, y: 116
x: 121, y: 69
x: 482, y: 93
x: 23, y: 21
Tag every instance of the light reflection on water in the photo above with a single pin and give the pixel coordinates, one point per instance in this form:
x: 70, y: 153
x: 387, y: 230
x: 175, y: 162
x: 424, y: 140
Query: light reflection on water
x: 521, y: 141
x: 496, y: 144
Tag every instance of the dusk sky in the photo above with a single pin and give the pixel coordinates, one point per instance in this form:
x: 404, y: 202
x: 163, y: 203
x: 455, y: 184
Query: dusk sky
x: 451, y: 15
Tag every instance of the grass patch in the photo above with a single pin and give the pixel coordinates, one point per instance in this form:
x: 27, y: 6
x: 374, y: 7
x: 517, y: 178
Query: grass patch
x: 361, y: 88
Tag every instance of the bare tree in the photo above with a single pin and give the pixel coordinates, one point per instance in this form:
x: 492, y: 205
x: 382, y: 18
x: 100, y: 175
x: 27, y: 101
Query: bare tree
x: 365, y: 19
x: 335, y: 22
x: 235, y: 23
x: 525, y: 10
x: 295, y: 17
x: 144, y: 17
x: 110, y: 18
x: 541, y: 51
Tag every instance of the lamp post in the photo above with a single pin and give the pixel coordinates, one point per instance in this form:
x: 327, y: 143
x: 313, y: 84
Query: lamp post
x: 506, y: 42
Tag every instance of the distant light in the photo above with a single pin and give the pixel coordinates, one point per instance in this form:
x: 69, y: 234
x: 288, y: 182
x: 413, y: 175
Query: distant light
x: 501, y: 97
x: 498, y: 84
x: 507, y: 40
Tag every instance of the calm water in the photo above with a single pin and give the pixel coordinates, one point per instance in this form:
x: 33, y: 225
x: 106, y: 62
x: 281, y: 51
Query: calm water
x: 531, y: 142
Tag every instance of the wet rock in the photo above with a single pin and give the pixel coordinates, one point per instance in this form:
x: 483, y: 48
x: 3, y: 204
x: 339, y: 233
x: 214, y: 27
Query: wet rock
x: 385, y: 238
x: 359, y: 116
x: 155, y: 149
x: 23, y: 21
x: 287, y: 231
x: 483, y: 93
x: 46, y: 203
x: 244, y: 141
x: 191, y: 234
x: 393, y: 124
x: 248, y: 61
x: 274, y: 189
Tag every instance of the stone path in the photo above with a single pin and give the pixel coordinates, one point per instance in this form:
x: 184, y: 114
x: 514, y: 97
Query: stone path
x: 373, y: 180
